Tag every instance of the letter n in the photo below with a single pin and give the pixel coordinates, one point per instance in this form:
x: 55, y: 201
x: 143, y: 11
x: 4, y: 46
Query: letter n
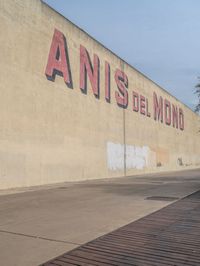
x: 58, y: 61
x: 175, y: 116
x: 92, y: 71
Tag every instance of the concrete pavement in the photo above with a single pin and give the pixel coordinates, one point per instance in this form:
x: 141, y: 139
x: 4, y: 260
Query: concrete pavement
x: 38, y: 225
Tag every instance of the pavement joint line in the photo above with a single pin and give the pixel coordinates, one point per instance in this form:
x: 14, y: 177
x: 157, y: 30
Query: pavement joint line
x: 114, y: 248
x: 40, y: 237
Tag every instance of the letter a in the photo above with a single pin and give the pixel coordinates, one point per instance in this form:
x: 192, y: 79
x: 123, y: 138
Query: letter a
x: 58, y: 61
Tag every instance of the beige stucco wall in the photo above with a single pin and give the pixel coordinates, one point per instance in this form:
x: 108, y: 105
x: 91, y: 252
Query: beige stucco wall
x: 50, y: 133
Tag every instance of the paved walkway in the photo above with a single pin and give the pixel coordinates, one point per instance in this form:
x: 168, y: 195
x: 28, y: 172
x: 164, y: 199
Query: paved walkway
x: 167, y: 237
x: 36, y: 226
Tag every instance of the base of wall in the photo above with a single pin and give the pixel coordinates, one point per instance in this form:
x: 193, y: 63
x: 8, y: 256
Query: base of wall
x: 162, y: 171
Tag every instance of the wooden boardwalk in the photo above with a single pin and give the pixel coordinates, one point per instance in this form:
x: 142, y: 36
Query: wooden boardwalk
x: 170, y: 236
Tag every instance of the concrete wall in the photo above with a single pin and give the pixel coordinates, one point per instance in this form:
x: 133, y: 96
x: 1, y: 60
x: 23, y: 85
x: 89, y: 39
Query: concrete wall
x: 52, y: 133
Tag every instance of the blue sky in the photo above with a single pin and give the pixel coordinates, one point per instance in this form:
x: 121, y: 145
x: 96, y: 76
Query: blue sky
x: 161, y: 38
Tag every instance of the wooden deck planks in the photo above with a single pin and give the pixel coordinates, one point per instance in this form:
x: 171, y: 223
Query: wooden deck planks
x: 170, y: 236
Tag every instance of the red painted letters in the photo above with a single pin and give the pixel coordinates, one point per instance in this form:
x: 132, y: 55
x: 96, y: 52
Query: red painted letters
x: 92, y: 71
x: 142, y: 105
x: 181, y: 119
x: 135, y: 101
x: 107, y: 82
x: 174, y: 116
x: 167, y: 107
x: 122, y: 83
x: 147, y: 108
x: 58, y: 61
x: 158, y: 108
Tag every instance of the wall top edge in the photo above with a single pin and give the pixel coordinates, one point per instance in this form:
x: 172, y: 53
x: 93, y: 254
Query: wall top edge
x: 109, y: 50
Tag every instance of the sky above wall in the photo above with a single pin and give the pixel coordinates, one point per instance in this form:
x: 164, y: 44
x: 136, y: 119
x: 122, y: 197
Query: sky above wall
x: 161, y: 38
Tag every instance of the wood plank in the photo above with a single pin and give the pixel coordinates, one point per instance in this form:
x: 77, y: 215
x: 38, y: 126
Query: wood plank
x: 169, y: 236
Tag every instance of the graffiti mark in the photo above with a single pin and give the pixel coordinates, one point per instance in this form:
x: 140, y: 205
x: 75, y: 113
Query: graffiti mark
x: 136, y: 156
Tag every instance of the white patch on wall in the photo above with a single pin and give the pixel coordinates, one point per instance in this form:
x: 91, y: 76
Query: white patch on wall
x: 136, y: 156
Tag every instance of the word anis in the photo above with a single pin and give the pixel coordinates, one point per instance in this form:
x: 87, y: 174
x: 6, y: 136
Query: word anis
x: 58, y: 63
